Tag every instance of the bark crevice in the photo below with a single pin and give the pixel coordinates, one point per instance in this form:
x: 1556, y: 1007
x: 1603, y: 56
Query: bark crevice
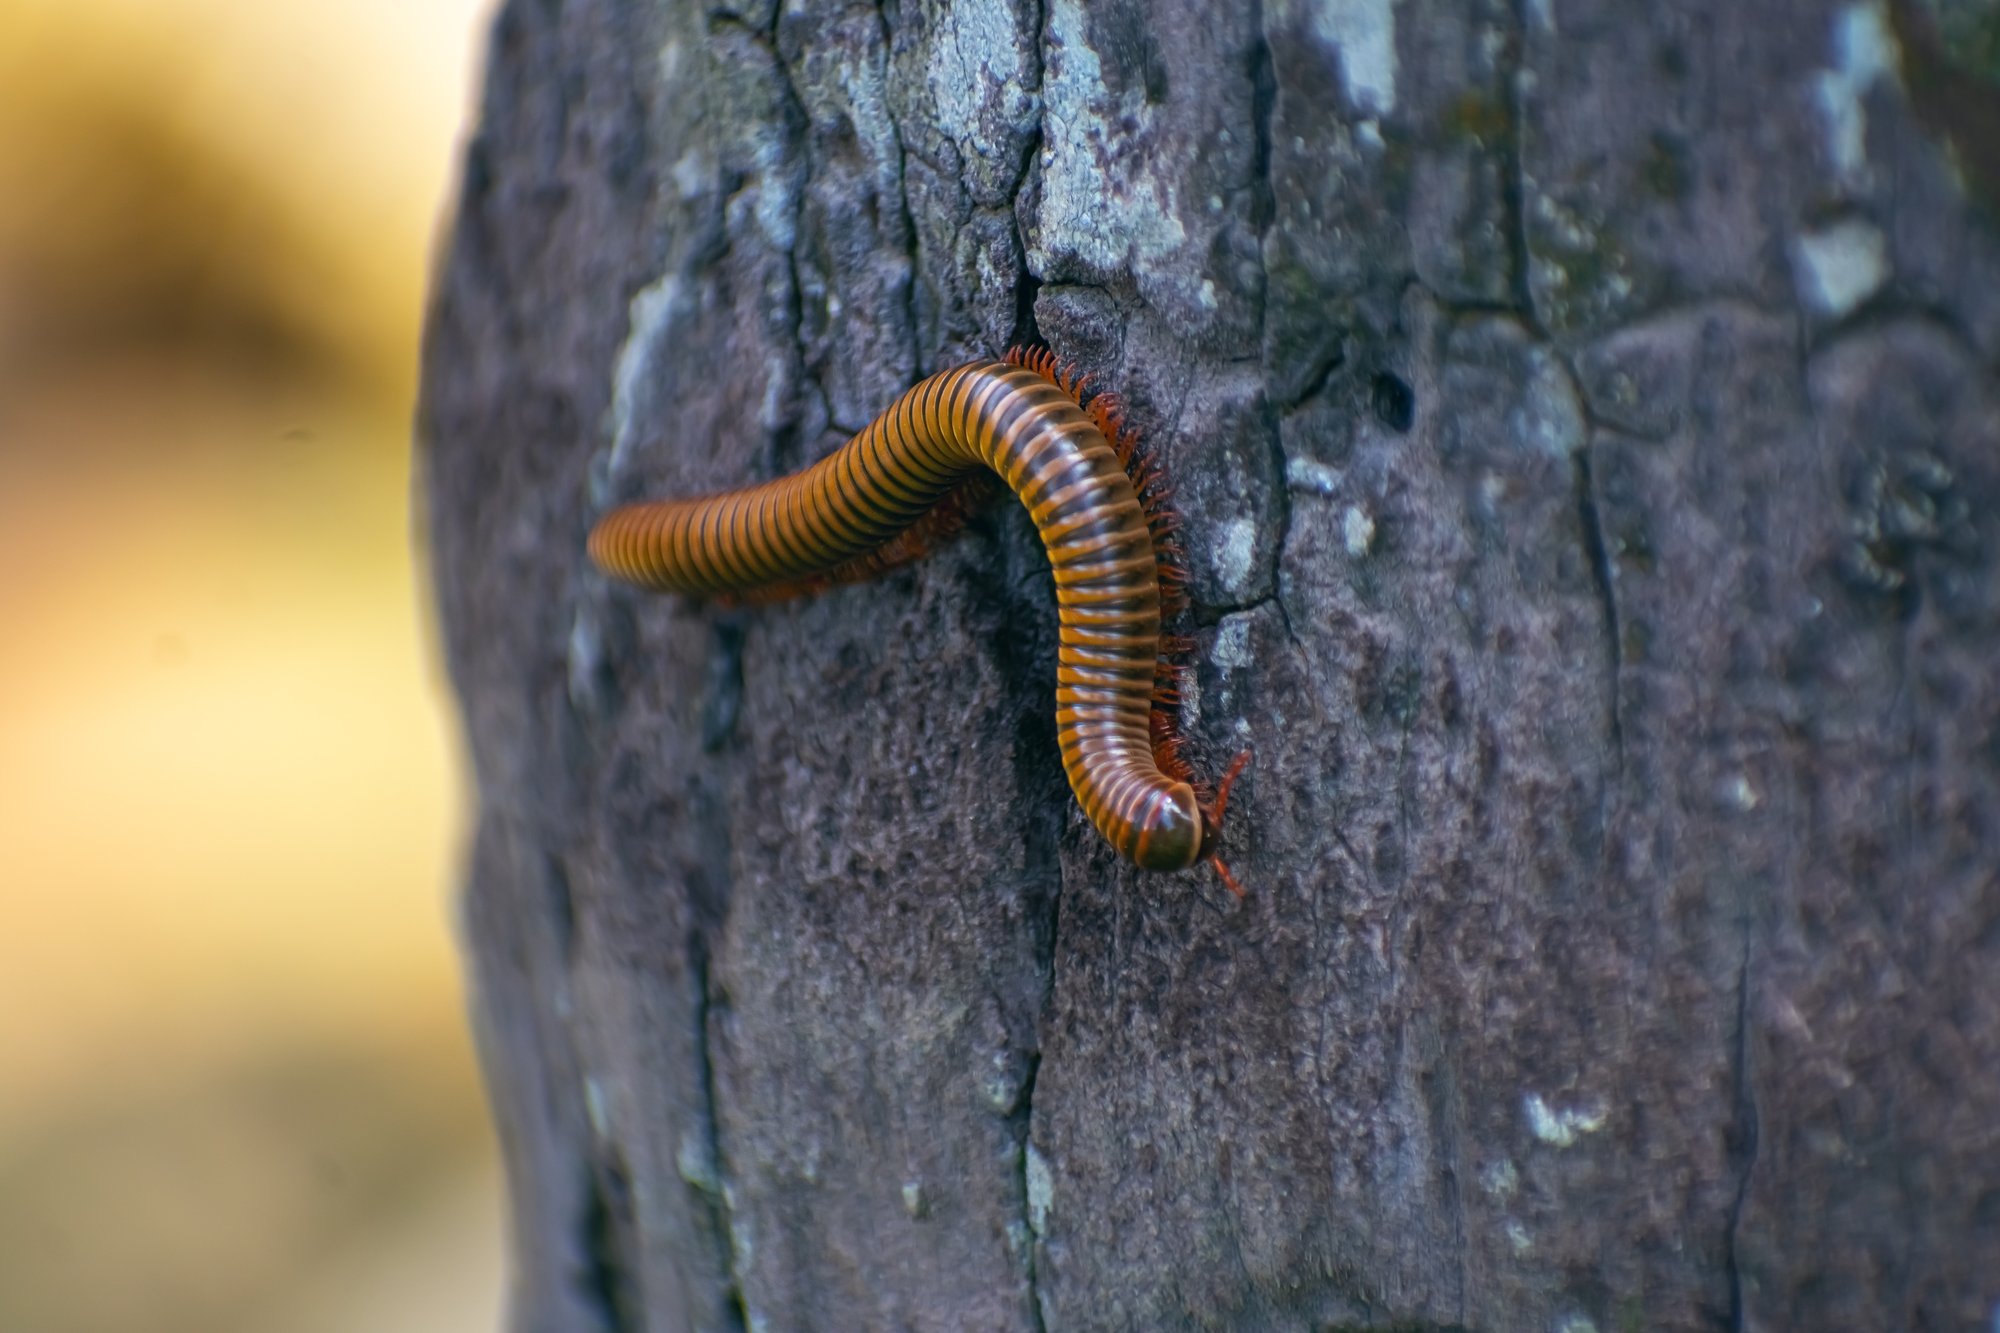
x: 1604, y: 576
x: 1745, y: 1133
x: 721, y: 1221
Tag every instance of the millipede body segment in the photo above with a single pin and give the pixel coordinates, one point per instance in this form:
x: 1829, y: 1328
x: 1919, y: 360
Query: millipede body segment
x: 1023, y: 420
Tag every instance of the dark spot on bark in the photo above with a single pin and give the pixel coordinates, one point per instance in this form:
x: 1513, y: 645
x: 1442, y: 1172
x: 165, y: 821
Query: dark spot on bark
x: 606, y: 1275
x: 562, y: 905
x: 1669, y: 171
x: 1635, y: 642
x: 1128, y: 53
x: 722, y: 700
x: 1388, y: 855
x: 1474, y: 115
x: 1394, y: 401
x: 1450, y: 700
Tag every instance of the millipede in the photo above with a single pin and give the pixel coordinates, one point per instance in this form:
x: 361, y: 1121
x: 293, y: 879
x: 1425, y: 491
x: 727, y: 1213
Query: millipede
x: 1102, y: 507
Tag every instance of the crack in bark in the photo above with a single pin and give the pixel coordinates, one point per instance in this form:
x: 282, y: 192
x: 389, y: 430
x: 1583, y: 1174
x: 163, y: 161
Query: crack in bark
x: 1025, y: 1116
x: 908, y: 218
x: 1028, y: 285
x: 1513, y: 174
x: 1746, y: 1134
x: 1214, y: 613
x: 795, y: 126
x: 1603, y: 575
x: 1263, y: 105
x: 708, y: 892
x: 1263, y: 110
x: 606, y: 1277
x: 1514, y: 198
x: 1043, y: 853
x: 720, y: 1214
x: 1036, y: 779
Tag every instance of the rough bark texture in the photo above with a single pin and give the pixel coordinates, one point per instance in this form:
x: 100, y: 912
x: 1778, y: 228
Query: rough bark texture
x: 1586, y: 423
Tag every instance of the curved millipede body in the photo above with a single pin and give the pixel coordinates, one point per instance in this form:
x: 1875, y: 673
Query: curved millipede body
x: 844, y: 517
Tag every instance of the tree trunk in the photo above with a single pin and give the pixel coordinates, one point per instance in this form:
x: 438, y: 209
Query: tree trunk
x: 1585, y: 422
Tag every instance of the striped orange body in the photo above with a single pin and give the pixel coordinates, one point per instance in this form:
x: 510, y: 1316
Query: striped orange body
x: 1024, y: 423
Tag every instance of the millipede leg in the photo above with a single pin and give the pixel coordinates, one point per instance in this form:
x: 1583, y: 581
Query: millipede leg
x: 1236, y: 766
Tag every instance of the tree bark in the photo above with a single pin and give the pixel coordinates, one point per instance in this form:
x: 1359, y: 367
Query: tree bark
x: 1585, y: 422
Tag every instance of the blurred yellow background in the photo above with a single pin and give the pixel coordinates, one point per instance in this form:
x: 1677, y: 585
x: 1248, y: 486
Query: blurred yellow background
x: 235, y: 1087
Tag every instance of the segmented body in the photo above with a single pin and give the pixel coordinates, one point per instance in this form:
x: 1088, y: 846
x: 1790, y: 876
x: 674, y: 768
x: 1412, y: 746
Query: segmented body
x: 1023, y: 421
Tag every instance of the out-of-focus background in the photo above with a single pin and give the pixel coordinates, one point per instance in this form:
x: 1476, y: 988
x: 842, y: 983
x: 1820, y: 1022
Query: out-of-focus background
x: 236, y: 1091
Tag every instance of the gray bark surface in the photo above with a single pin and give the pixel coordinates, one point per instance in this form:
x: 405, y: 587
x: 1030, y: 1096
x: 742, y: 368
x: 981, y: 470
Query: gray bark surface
x: 1586, y: 422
